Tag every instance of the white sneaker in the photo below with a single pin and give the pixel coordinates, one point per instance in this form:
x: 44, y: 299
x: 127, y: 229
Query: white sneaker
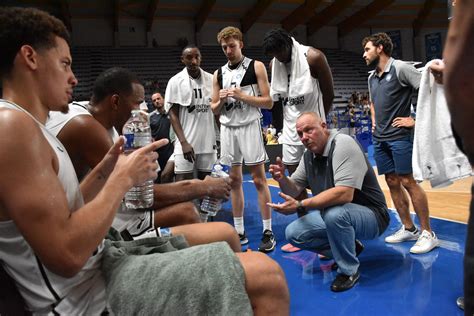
x: 402, y: 235
x: 425, y: 243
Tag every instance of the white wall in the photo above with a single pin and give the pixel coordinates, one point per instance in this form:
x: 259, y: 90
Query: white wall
x: 99, y: 32
x: 92, y: 32
x: 132, y: 32
x: 167, y: 32
x: 209, y: 31
x: 353, y: 40
x: 325, y: 37
x: 257, y: 32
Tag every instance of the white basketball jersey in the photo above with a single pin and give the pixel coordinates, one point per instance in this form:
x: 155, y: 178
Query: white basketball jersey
x: 234, y: 112
x: 197, y: 119
x: 57, y: 120
x: 295, y: 106
x: 44, y: 291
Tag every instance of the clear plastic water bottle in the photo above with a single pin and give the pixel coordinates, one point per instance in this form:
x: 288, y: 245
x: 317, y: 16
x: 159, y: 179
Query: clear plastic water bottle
x: 138, y: 134
x: 220, y: 170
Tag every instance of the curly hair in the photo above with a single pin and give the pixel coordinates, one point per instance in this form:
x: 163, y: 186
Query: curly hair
x: 115, y: 80
x: 380, y: 39
x: 275, y: 41
x: 229, y: 32
x: 26, y: 26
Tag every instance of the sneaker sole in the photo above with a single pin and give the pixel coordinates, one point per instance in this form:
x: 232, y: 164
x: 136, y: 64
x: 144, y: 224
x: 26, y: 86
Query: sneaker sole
x: 244, y: 242
x: 399, y: 241
x: 268, y: 249
x: 418, y: 252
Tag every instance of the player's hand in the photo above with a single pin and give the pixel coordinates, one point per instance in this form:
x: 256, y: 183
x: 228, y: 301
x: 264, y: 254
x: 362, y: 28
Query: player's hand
x: 218, y: 188
x: 437, y: 69
x: 400, y: 122
x: 223, y: 93
x: 277, y: 170
x: 140, y: 165
x: 235, y: 93
x: 188, y: 152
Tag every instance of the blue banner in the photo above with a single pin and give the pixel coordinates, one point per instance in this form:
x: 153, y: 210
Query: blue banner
x: 433, y: 46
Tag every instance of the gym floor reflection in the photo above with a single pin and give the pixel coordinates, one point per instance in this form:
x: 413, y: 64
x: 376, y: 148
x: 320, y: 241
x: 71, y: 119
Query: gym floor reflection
x: 393, y: 281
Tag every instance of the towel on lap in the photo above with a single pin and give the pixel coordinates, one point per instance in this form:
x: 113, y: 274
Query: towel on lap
x: 163, y: 276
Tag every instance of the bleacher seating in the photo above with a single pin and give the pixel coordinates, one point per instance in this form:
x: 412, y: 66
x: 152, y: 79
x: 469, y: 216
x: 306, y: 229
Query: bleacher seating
x: 158, y: 65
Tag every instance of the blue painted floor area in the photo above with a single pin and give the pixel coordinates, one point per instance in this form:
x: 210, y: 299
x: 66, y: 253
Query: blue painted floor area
x: 393, y: 281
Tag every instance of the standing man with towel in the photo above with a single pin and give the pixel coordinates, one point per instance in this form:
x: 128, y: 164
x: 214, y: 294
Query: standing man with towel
x: 302, y: 80
x: 187, y: 98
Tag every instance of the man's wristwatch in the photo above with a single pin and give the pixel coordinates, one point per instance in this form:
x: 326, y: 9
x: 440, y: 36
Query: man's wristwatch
x: 299, y: 207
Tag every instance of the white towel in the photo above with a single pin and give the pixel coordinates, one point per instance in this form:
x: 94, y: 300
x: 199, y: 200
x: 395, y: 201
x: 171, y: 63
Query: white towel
x: 178, y: 90
x: 300, y: 77
x: 435, y: 154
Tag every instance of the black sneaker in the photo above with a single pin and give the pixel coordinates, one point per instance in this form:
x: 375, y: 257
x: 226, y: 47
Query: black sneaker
x: 243, y: 239
x: 344, y: 282
x: 359, y: 247
x: 268, y: 242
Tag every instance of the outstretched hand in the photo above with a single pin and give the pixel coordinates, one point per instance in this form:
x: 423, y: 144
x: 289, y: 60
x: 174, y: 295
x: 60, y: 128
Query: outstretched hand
x: 277, y: 170
x: 286, y: 208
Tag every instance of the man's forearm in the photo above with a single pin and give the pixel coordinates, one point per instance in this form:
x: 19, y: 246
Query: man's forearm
x: 181, y: 191
x: 331, y: 197
x: 258, y: 102
x: 289, y: 187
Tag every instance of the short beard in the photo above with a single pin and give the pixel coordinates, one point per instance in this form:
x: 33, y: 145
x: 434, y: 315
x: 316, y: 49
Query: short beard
x: 374, y: 63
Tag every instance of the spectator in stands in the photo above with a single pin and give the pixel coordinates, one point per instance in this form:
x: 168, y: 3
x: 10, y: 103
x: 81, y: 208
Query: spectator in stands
x: 240, y: 89
x: 352, y: 120
x: 272, y: 129
x: 187, y: 100
x: 161, y: 128
x: 51, y: 243
x: 390, y: 108
x: 271, y: 139
x: 459, y: 88
x: 302, y: 79
x: 347, y: 201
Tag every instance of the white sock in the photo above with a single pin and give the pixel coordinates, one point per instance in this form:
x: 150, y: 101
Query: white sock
x: 267, y: 224
x: 239, y: 224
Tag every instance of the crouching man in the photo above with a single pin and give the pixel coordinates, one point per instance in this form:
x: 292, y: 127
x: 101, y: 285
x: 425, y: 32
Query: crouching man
x: 347, y: 201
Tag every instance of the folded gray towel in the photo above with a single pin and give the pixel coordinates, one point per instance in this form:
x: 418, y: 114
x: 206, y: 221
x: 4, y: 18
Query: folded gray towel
x: 163, y: 276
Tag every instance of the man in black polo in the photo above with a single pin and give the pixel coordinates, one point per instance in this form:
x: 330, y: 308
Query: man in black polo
x: 347, y: 201
x: 160, y: 128
x: 391, y: 86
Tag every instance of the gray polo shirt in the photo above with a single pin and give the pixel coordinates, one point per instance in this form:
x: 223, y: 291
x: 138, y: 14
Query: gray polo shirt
x: 391, y: 95
x: 347, y: 172
x: 343, y: 164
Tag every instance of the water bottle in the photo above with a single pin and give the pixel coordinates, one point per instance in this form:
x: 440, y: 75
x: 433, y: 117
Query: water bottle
x: 137, y: 133
x: 220, y: 170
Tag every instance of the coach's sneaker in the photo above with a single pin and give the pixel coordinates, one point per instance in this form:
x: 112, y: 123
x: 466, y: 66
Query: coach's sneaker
x: 403, y: 235
x: 425, y: 243
x: 243, y: 239
x: 268, y: 242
